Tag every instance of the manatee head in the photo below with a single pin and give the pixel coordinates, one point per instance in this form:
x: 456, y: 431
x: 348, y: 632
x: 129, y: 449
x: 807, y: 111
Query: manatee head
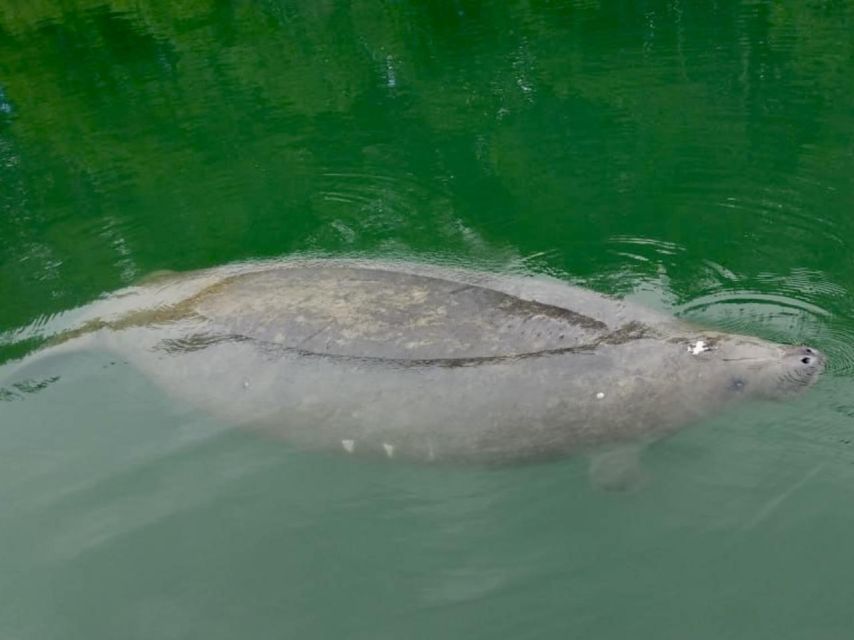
x: 739, y: 367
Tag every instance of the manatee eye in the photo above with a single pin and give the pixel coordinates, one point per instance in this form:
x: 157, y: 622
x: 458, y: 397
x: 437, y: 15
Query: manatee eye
x: 737, y: 384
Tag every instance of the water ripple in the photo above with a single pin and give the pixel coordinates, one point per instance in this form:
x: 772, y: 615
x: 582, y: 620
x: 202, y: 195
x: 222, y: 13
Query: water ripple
x: 778, y: 316
x: 801, y: 306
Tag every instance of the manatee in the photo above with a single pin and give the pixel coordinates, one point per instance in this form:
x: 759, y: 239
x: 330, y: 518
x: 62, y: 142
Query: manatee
x: 430, y: 363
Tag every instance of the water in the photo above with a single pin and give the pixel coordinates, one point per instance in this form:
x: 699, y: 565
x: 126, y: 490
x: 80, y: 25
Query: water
x: 697, y: 157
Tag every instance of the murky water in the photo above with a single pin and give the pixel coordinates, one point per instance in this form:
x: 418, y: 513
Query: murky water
x: 697, y: 157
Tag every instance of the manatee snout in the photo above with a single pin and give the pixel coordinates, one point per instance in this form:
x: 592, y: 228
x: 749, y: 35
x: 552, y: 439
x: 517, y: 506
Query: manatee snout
x: 802, y: 367
x: 766, y: 369
x: 806, y: 356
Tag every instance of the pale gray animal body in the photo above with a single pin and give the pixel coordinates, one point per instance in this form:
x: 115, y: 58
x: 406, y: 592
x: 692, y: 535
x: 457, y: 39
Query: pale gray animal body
x: 430, y: 363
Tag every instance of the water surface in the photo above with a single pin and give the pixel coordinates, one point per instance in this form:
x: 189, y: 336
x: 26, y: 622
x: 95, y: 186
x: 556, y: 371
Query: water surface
x: 695, y: 156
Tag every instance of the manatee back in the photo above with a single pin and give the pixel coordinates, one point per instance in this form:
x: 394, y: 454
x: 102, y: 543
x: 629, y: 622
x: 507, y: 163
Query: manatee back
x: 384, y: 313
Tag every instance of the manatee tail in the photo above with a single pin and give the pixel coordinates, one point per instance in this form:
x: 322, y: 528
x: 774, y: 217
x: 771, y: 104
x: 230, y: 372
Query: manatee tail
x: 40, y: 369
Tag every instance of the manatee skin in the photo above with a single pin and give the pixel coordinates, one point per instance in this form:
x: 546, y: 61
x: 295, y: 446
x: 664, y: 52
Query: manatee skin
x: 431, y: 363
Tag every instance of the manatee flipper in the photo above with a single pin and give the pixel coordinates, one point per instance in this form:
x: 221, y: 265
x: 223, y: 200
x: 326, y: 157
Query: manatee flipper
x: 617, y: 468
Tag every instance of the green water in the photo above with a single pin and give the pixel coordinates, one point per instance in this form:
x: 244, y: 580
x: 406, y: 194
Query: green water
x: 696, y: 156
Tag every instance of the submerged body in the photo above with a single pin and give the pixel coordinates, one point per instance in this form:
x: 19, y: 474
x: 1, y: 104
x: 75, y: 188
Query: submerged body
x: 413, y: 361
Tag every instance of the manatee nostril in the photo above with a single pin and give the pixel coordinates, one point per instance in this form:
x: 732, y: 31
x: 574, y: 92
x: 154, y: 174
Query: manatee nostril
x: 806, y: 355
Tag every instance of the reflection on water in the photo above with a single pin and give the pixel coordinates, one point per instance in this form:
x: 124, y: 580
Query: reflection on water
x: 692, y: 156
